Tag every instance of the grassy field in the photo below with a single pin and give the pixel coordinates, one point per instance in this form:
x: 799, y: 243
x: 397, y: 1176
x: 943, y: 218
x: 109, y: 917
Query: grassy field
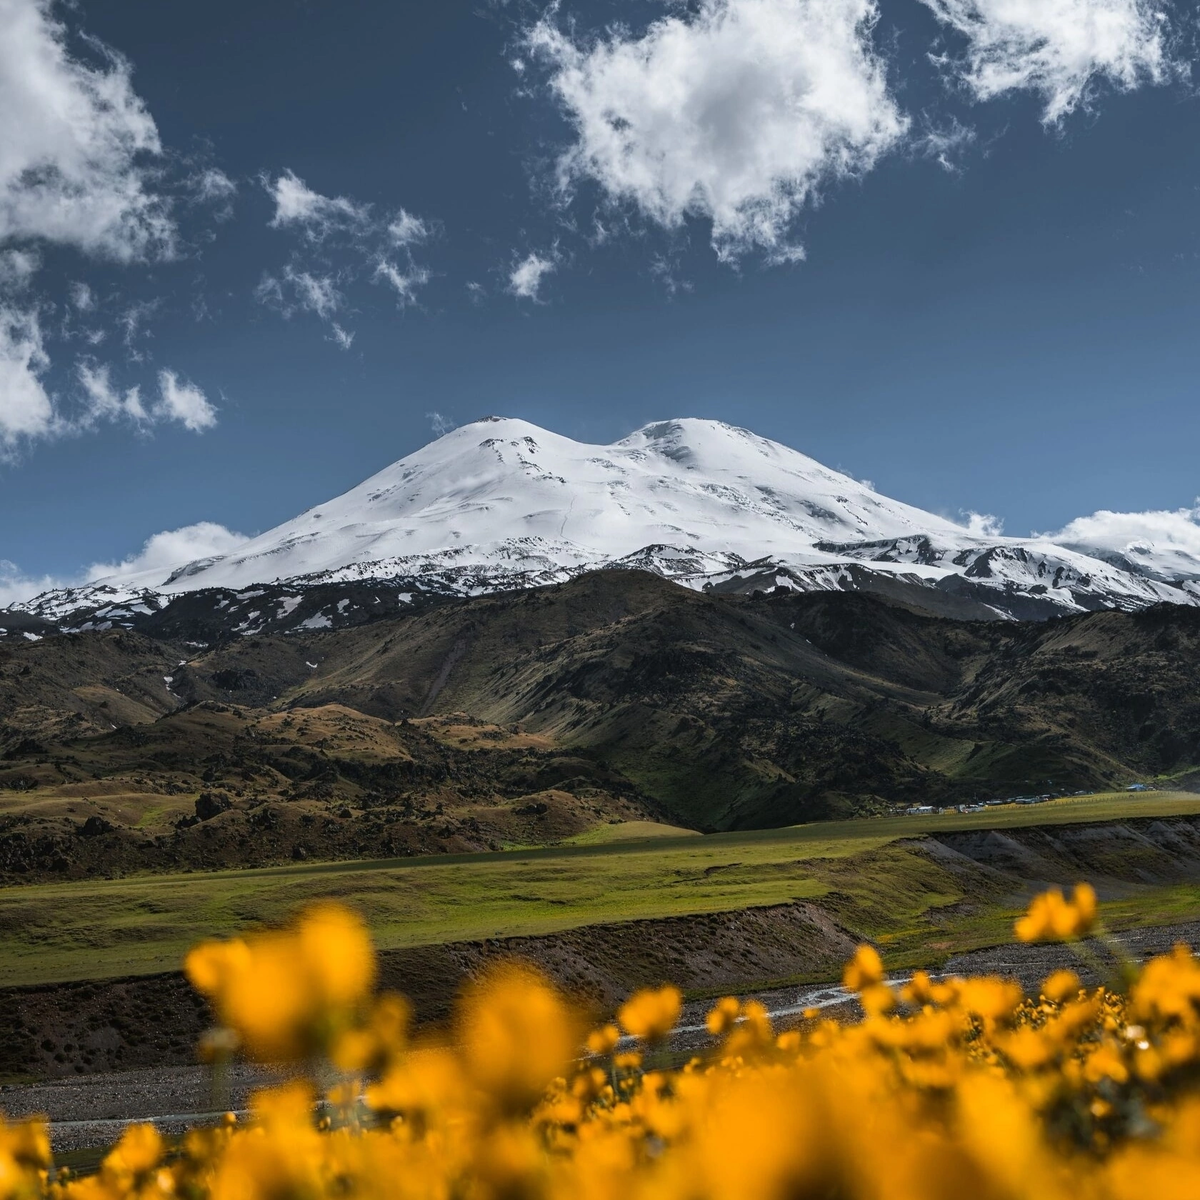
x: 142, y: 925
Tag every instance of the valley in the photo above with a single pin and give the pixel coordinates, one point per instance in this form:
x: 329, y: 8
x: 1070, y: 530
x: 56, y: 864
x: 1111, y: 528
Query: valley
x: 620, y: 759
x: 90, y: 968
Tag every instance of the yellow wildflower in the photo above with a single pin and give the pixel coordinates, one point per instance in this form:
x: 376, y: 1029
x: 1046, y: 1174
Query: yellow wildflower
x: 651, y: 1014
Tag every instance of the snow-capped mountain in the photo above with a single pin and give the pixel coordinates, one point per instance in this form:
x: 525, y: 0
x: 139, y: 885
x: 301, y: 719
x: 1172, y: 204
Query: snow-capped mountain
x: 501, y: 503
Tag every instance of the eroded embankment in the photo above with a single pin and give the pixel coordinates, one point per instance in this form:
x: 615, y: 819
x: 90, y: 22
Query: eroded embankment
x: 1150, y: 851
x: 87, y: 1027
x: 77, y: 1028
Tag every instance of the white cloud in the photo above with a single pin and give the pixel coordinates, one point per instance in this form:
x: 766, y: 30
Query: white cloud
x: 133, y: 323
x: 316, y: 293
x: 16, y: 586
x: 983, y: 525
x: 406, y: 230
x: 945, y: 144
x: 103, y: 402
x: 213, y: 184
x: 173, y: 548
x: 345, y: 242
x: 17, y: 268
x: 344, y: 338
x: 74, y: 140
x: 440, y: 423
x: 213, y: 187
x: 82, y: 297
x: 1059, y: 49
x: 159, y: 557
x: 1165, y: 542
x: 525, y: 279
x: 183, y: 402
x: 297, y: 204
x: 26, y: 409
x: 404, y: 282
x: 738, y: 111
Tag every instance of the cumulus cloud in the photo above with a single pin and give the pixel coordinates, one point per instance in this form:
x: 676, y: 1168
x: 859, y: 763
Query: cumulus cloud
x: 1164, y: 543
x: 16, y: 586
x: 29, y: 412
x: 26, y: 409
x: 75, y: 140
x: 1059, y: 49
x: 159, y: 557
x: 183, y: 402
x: 173, y: 548
x: 738, y: 111
x: 525, y: 279
x: 983, y: 525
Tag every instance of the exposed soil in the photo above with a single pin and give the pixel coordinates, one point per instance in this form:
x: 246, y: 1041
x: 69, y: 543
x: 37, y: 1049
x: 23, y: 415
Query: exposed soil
x: 75, y: 1029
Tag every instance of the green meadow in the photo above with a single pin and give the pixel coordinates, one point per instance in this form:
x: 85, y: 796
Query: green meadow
x: 867, y: 871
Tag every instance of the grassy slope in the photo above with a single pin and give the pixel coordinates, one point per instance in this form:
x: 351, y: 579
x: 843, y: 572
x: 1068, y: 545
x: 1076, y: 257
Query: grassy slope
x: 106, y: 928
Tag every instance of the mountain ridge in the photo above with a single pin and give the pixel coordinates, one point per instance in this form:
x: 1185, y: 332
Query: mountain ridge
x: 501, y: 504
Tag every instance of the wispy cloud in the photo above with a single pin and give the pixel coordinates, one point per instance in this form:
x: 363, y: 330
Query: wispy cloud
x: 344, y: 241
x: 439, y: 423
x: 405, y: 283
x: 318, y: 216
x: 1061, y: 50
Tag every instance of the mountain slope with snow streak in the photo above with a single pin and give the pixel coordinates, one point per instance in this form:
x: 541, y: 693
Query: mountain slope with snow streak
x: 502, y: 503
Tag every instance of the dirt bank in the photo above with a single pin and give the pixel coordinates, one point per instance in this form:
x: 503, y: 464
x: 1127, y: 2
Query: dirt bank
x: 83, y: 1028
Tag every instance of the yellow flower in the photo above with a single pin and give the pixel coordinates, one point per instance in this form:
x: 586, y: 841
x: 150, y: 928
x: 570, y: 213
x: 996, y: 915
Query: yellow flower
x: 516, y: 1034
x: 722, y: 1016
x: 651, y: 1014
x: 289, y: 993
x: 864, y: 970
x: 1060, y: 986
x: 1053, y: 918
x: 603, y: 1040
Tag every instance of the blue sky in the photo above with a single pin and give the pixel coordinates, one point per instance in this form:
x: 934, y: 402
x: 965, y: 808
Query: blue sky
x: 947, y: 245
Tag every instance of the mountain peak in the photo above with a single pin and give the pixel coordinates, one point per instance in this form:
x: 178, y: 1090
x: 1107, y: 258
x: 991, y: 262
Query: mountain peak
x: 501, y: 502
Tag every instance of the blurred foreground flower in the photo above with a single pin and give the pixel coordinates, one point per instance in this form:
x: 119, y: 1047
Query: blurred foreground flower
x: 289, y: 994
x: 948, y: 1089
x: 1053, y: 918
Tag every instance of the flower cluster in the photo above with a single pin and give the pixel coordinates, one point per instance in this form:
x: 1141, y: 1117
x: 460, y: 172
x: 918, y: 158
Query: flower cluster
x: 944, y: 1088
x: 1054, y: 918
